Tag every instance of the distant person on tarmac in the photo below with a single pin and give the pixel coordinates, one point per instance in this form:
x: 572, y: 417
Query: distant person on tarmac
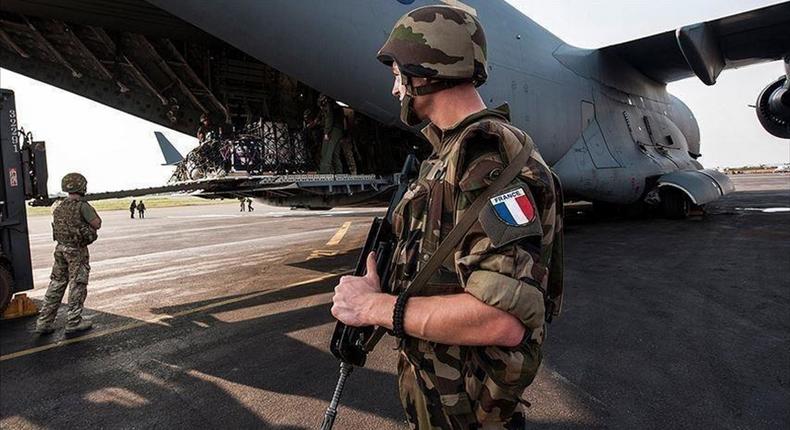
x: 133, y: 207
x: 74, y: 227
x: 141, y: 209
x: 242, y: 202
x: 249, y: 205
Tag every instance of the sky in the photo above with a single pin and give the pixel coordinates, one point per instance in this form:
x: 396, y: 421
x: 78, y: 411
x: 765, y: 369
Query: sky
x: 118, y: 151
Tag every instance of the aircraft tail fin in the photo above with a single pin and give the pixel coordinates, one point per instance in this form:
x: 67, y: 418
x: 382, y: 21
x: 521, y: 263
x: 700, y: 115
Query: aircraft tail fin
x: 171, y: 154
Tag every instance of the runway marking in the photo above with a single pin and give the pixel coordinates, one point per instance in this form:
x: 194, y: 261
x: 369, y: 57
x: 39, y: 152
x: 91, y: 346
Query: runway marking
x: 341, y: 233
x: 159, y: 319
x: 765, y: 210
x: 321, y: 253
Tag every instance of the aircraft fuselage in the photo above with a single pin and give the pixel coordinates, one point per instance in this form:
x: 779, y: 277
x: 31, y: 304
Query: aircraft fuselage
x: 606, y: 128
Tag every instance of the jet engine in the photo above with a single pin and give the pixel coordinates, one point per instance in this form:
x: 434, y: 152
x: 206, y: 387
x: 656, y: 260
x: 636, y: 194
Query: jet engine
x: 773, y: 105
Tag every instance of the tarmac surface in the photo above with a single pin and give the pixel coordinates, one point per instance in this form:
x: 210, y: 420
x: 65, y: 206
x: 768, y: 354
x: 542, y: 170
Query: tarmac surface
x: 210, y: 318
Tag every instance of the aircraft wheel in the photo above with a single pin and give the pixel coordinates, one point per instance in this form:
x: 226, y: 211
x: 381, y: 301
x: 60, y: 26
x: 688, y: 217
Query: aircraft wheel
x: 675, y: 204
x: 5, y: 288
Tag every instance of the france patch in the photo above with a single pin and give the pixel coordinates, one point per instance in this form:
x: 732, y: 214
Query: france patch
x: 514, y: 208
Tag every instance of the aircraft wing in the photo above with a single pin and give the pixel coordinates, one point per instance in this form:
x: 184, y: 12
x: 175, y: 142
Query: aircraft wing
x: 705, y: 49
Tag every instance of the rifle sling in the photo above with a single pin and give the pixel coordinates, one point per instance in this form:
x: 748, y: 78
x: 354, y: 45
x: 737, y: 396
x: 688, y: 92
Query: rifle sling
x: 461, y: 228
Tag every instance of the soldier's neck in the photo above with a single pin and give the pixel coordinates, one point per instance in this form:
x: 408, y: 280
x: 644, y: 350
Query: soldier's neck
x: 451, y: 106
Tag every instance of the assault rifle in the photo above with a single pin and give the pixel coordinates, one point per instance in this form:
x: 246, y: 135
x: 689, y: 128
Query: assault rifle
x: 352, y: 344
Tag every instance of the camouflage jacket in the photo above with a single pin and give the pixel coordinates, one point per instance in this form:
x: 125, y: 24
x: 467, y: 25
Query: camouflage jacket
x: 69, y: 224
x: 501, y: 261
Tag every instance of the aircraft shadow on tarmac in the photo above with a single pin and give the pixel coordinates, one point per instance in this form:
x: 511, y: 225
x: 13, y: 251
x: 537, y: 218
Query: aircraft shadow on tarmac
x: 166, y: 375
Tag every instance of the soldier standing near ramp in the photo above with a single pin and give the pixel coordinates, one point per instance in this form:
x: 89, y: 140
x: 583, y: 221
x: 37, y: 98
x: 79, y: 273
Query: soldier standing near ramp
x: 471, y: 339
x: 133, y: 207
x: 74, y: 226
x: 347, y: 141
x: 333, y: 132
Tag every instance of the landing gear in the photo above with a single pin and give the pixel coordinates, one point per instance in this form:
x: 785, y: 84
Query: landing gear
x: 675, y: 204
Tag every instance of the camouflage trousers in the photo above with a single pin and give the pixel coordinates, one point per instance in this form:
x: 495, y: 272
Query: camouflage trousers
x: 71, y: 269
x: 347, y: 148
x: 330, y: 153
x: 470, y: 388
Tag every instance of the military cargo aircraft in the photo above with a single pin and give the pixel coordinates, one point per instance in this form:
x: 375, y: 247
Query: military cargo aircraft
x: 602, y: 118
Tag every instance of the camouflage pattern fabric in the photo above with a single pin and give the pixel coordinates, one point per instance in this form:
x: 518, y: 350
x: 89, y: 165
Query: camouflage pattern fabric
x: 330, y: 148
x: 347, y: 148
x: 439, y: 42
x: 330, y: 153
x: 69, y: 227
x: 71, y: 268
x: 74, y: 183
x: 459, y: 387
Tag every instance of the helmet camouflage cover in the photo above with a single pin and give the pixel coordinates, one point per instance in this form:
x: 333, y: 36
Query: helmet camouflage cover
x: 74, y: 183
x: 439, y: 42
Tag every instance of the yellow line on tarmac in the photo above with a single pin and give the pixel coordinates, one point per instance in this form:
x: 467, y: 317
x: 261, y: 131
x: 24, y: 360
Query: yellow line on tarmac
x: 155, y: 320
x: 341, y: 232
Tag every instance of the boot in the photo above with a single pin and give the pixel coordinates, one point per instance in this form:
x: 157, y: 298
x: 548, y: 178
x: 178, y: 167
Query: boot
x: 82, y: 326
x: 43, y: 329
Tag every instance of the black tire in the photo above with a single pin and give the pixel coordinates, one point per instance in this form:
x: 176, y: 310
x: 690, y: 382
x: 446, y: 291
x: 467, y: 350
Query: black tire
x: 6, y: 291
x: 675, y: 204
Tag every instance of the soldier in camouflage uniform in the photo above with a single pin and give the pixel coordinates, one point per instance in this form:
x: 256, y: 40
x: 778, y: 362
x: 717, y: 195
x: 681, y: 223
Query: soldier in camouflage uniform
x: 474, y: 335
x: 74, y: 227
x: 333, y: 132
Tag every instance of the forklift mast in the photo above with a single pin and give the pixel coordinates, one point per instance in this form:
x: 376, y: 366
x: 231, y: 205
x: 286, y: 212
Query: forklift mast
x: 24, y: 165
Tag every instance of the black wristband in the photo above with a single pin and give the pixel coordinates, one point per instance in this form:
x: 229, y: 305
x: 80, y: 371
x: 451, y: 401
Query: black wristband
x: 397, y: 316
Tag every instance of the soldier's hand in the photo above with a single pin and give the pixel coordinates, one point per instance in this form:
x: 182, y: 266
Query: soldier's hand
x: 355, y: 296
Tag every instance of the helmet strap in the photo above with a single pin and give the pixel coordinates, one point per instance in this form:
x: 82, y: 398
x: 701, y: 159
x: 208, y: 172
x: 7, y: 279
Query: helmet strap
x: 435, y: 87
x: 407, y: 114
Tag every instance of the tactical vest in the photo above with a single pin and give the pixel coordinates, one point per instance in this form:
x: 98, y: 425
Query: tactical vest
x: 421, y: 220
x: 68, y: 226
x: 425, y: 216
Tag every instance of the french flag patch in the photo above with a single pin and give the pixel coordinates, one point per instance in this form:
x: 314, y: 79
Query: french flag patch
x: 514, y: 207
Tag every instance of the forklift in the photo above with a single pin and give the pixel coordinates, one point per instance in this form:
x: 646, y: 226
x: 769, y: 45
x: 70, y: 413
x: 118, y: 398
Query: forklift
x: 24, y: 164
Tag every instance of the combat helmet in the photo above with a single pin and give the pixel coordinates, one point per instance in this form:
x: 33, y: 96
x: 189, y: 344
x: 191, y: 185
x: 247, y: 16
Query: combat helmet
x: 440, y: 42
x: 444, y: 44
x: 74, y: 183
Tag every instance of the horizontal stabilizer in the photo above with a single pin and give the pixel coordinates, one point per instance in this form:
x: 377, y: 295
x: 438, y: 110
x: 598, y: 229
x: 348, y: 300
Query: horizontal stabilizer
x: 171, y: 154
x: 705, y: 49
